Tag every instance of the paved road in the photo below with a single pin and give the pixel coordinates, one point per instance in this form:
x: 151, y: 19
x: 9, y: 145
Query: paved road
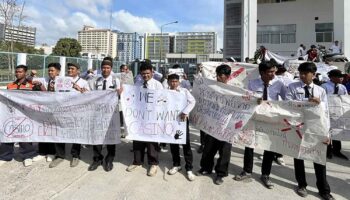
x: 63, y: 182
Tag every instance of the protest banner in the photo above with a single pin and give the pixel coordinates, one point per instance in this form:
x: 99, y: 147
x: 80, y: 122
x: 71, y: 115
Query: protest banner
x: 153, y: 115
x: 296, y: 129
x: 67, y: 117
x: 221, y: 110
x: 241, y: 73
x: 125, y: 78
x: 339, y: 114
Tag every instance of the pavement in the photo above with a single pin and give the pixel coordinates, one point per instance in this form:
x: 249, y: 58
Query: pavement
x: 63, y: 182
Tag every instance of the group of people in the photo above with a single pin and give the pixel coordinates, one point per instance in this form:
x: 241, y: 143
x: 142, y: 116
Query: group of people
x: 313, y: 53
x: 273, y: 84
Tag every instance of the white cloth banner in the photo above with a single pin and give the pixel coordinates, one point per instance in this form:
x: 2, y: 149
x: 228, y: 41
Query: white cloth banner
x: 339, y: 114
x: 153, y: 115
x: 291, y: 128
x: 221, y: 110
x: 66, y: 117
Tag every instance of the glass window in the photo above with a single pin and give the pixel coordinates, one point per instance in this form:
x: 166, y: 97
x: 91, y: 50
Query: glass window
x: 276, y: 34
x: 324, y: 32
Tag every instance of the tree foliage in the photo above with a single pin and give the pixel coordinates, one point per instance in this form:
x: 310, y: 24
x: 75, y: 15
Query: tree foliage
x: 68, y: 47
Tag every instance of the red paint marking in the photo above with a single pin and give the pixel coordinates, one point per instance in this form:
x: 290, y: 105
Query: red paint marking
x: 239, y: 124
x: 286, y: 121
x: 299, y: 134
x: 236, y: 73
x: 290, y: 128
x: 286, y: 129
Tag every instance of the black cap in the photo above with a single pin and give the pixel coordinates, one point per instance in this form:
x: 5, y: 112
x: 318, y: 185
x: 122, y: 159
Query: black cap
x: 335, y: 73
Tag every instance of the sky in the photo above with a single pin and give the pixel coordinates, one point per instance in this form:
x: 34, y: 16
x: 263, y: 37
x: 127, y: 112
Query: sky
x: 55, y: 19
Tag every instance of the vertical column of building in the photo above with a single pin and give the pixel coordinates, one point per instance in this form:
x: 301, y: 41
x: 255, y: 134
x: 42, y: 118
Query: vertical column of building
x: 342, y: 24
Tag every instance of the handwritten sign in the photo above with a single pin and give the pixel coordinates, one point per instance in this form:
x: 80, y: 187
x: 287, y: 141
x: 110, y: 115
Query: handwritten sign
x: 89, y: 118
x: 221, y: 110
x: 63, y: 84
x: 297, y: 129
x: 339, y: 114
x: 153, y: 115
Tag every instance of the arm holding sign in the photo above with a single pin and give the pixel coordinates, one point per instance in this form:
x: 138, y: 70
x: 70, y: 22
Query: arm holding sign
x: 191, y: 101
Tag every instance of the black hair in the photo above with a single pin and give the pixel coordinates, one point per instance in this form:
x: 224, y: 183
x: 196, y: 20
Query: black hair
x: 55, y: 65
x: 74, y: 65
x: 108, y: 58
x: 24, y: 67
x: 176, y: 66
x: 301, y: 58
x: 280, y: 69
x: 264, y: 66
x: 107, y: 62
x: 307, y: 67
x: 121, y: 66
x: 223, y: 69
x: 173, y: 76
x: 146, y: 66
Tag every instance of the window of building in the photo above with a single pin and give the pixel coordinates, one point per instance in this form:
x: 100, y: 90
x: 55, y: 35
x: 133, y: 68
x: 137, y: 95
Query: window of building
x: 324, y: 32
x: 276, y: 34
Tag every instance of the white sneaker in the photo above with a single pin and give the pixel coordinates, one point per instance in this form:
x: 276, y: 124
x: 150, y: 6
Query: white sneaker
x: 49, y: 158
x: 280, y: 161
x: 190, y: 176
x: 38, y: 158
x: 174, y: 170
x: 152, y: 170
x: 28, y: 162
x: 2, y: 162
x: 260, y: 157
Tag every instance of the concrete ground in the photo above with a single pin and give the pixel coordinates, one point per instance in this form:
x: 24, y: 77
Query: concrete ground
x: 40, y: 182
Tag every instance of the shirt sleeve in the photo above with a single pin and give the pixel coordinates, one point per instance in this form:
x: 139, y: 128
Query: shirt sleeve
x: 289, y: 95
x: 191, y: 102
x: 283, y: 92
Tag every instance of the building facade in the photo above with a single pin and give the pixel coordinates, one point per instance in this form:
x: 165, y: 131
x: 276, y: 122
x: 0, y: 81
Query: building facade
x: 157, y: 45
x: 282, y: 25
x: 21, y: 34
x: 98, y: 41
x: 129, y: 47
x: 195, y: 42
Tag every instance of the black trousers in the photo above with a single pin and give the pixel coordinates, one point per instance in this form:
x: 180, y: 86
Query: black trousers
x: 268, y: 158
x: 97, y: 149
x: 139, y: 148
x: 336, y: 146
x: 202, y: 137
x: 211, y: 147
x: 61, y: 150
x: 248, y: 160
x: 46, y: 148
x: 175, y: 152
x: 26, y: 150
x: 321, y: 177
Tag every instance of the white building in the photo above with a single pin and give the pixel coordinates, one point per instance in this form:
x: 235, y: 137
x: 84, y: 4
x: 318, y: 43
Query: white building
x: 129, y: 47
x: 282, y: 25
x: 193, y: 58
x: 98, y: 41
x: 21, y: 34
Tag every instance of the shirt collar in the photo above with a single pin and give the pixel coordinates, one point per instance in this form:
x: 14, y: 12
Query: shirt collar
x: 310, y: 86
x: 76, y: 78
x: 261, y: 82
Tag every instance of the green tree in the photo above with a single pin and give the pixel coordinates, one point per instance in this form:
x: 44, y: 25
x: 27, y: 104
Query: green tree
x: 69, y: 47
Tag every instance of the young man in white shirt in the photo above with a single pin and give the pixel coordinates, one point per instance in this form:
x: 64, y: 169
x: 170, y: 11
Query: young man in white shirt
x: 306, y: 90
x: 270, y: 88
x: 79, y: 85
x: 213, y: 145
x: 139, y: 147
x: 335, y: 48
x: 104, y: 82
x: 334, y: 86
x: 174, y: 82
x: 301, y: 52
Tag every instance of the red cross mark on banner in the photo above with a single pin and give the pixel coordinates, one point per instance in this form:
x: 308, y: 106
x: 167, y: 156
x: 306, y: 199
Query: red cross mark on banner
x: 290, y: 127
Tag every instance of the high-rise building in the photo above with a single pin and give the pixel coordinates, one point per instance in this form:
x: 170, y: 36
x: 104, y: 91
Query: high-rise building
x: 129, y: 47
x: 21, y: 34
x: 98, y: 41
x: 195, y: 42
x: 157, y: 45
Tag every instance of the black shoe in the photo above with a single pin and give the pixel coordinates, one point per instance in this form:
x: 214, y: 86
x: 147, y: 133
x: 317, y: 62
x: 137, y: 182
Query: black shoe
x: 266, y: 181
x: 108, y: 165
x: 200, y: 149
x: 203, y: 172
x: 95, y: 165
x: 327, y: 196
x: 243, y: 176
x: 301, y: 191
x: 340, y: 155
x: 218, y: 180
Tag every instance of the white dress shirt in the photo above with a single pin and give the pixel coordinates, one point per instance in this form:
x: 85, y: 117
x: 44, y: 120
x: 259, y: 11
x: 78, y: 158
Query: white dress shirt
x: 191, y: 101
x: 112, y: 83
x: 81, y: 83
x: 275, y: 88
x: 296, y: 91
x: 335, y: 49
x: 151, y: 84
x: 329, y: 87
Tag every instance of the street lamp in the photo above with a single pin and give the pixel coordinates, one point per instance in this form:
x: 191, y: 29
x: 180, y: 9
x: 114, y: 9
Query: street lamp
x: 161, y: 39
